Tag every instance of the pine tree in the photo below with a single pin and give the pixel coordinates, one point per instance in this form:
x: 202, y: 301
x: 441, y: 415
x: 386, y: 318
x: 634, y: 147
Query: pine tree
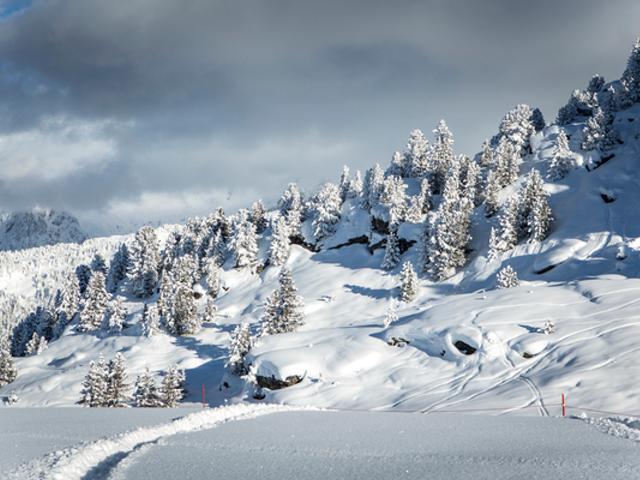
x: 507, y: 162
x: 534, y: 213
x: 244, y: 241
x: 325, y: 206
x: 184, y: 313
x: 115, y: 316
x: 417, y: 155
x: 442, y: 156
x: 598, y: 132
x: 95, y: 305
x: 507, y: 278
x: 165, y: 299
x: 150, y: 320
x: 172, y: 387
x: 210, y: 311
x: 491, y: 195
x: 345, y: 183
x: 486, y: 156
x: 118, y: 268
x: 394, y: 199
x: 631, y: 75
x: 257, y: 216
x: 145, y: 260
x: 508, y: 232
x: 290, y: 206
x: 146, y: 392
x: 117, y: 386
x: 537, y: 119
x: 36, y: 345
x: 70, y: 303
x: 516, y: 128
x: 83, y: 274
x: 391, y: 315
x: 240, y: 345
x: 185, y: 271
x: 283, y: 308
x: 425, y: 196
x: 212, y: 277
x: 356, y: 185
x: 280, y: 242
x: 217, y: 249
x: 408, y: 283
x: 94, y: 387
x: 8, y: 371
x: 398, y: 166
x: 391, y: 251
x: 494, y: 244
x: 413, y: 213
x: 98, y: 264
x: 562, y: 160
x: 373, y: 185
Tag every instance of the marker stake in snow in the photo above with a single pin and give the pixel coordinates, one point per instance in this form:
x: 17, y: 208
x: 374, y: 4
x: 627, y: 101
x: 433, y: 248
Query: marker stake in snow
x: 203, y: 396
x: 564, y: 406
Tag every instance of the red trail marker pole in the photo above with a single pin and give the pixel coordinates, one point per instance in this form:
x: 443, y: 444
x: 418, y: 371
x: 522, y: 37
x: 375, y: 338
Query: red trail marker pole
x: 203, y: 402
x: 564, y: 406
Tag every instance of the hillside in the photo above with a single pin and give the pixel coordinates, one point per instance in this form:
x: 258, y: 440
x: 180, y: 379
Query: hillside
x: 570, y: 325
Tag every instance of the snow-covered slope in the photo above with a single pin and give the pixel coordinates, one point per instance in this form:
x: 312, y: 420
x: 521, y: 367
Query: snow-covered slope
x: 38, y: 227
x: 460, y: 345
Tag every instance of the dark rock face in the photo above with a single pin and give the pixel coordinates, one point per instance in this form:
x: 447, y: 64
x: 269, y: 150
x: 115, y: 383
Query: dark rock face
x: 273, y: 383
x: 362, y: 239
x: 298, y: 240
x: 379, y: 226
x: 464, y: 347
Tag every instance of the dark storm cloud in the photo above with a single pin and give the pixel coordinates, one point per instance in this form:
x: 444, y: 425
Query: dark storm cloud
x: 201, y: 92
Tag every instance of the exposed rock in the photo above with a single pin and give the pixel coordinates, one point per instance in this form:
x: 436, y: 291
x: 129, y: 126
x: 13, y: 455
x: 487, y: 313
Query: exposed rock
x: 273, y: 383
x: 464, y: 347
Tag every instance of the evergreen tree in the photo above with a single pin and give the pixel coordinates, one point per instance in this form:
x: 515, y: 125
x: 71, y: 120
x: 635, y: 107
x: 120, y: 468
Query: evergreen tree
x: 95, y: 385
x: 185, y: 271
x: 98, y: 264
x: 70, y: 301
x: 115, y: 316
x: 398, y: 166
x: 394, y: 199
x: 146, y: 392
x: 494, y: 244
x: 217, y: 249
x: 507, y: 162
x: 562, y: 160
x: 244, y: 241
x: 373, y: 186
x: 408, y: 283
x: 442, y: 156
x: 172, y: 387
x: 598, y: 132
x: 118, y: 268
x: 94, y: 308
x: 184, y: 313
x: 240, y: 345
x: 258, y: 216
x: 534, y: 213
x: 491, y: 195
x: 356, y: 185
x: 631, y: 75
x: 212, y: 277
x: 83, y: 274
x: 417, y: 155
x: 507, y: 237
x: 8, y: 371
x: 345, y: 183
x: 283, y: 308
x: 150, y: 320
x: 165, y: 299
x: 537, y: 119
x: 36, y: 345
x: 210, y: 311
x: 413, y: 212
x: 290, y: 205
x: 392, y: 250
x: 516, y: 128
x: 486, y: 156
x: 280, y: 242
x: 325, y: 207
x: 425, y: 196
x: 145, y: 260
x: 117, y: 386
x: 391, y: 315
x: 507, y: 278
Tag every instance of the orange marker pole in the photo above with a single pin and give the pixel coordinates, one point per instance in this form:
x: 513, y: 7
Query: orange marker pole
x: 564, y: 406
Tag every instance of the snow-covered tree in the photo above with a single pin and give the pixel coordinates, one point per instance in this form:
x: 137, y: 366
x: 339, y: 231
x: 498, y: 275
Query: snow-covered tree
x: 83, y: 274
x: 417, y: 155
x: 257, y: 216
x: 373, y: 186
x: 185, y: 271
x: 425, y: 196
x: 280, y: 242
x: 244, y: 241
x: 145, y: 259
x: 507, y: 235
x: 562, y: 160
x: 516, y: 127
x: 537, y: 119
x: 631, y: 75
x: 283, y: 308
x: 491, y: 195
x: 36, y: 345
x: 95, y: 385
x: 165, y: 299
x: 210, y: 311
x: 486, y: 156
x: 95, y: 305
x: 212, y: 276
x: 598, y: 132
x: 408, y: 283
x: 115, y: 316
x: 534, y: 212
x: 356, y: 185
x: 392, y: 250
x: 413, y: 213
x: 117, y: 386
x: 172, y: 387
x: 118, y: 268
x: 325, y: 208
x: 184, y: 312
x: 391, y: 315
x: 397, y: 166
x: 146, y: 392
x: 442, y: 156
x: 394, y: 199
x: 239, y: 346
x: 507, y: 278
x: 8, y: 371
x: 345, y: 183
x: 98, y: 264
x: 290, y: 205
x: 507, y: 162
x: 150, y: 320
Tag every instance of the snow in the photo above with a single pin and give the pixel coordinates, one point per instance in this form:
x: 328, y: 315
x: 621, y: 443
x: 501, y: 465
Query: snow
x: 38, y: 227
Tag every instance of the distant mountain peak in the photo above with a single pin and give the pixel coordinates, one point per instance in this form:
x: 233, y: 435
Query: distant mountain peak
x: 38, y: 227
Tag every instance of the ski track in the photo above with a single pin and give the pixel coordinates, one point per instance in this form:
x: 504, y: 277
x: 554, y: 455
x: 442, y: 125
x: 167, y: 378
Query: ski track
x: 99, y: 459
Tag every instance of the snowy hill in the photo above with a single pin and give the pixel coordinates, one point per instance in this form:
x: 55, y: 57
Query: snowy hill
x: 38, y: 227
x: 555, y: 203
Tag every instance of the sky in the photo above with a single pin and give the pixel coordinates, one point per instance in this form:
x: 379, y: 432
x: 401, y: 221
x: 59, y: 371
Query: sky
x: 124, y: 113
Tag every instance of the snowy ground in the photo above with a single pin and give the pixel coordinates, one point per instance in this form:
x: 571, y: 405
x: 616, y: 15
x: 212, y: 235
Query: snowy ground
x: 273, y: 442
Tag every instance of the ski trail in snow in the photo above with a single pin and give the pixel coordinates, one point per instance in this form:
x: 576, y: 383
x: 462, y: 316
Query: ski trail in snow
x: 95, y: 460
